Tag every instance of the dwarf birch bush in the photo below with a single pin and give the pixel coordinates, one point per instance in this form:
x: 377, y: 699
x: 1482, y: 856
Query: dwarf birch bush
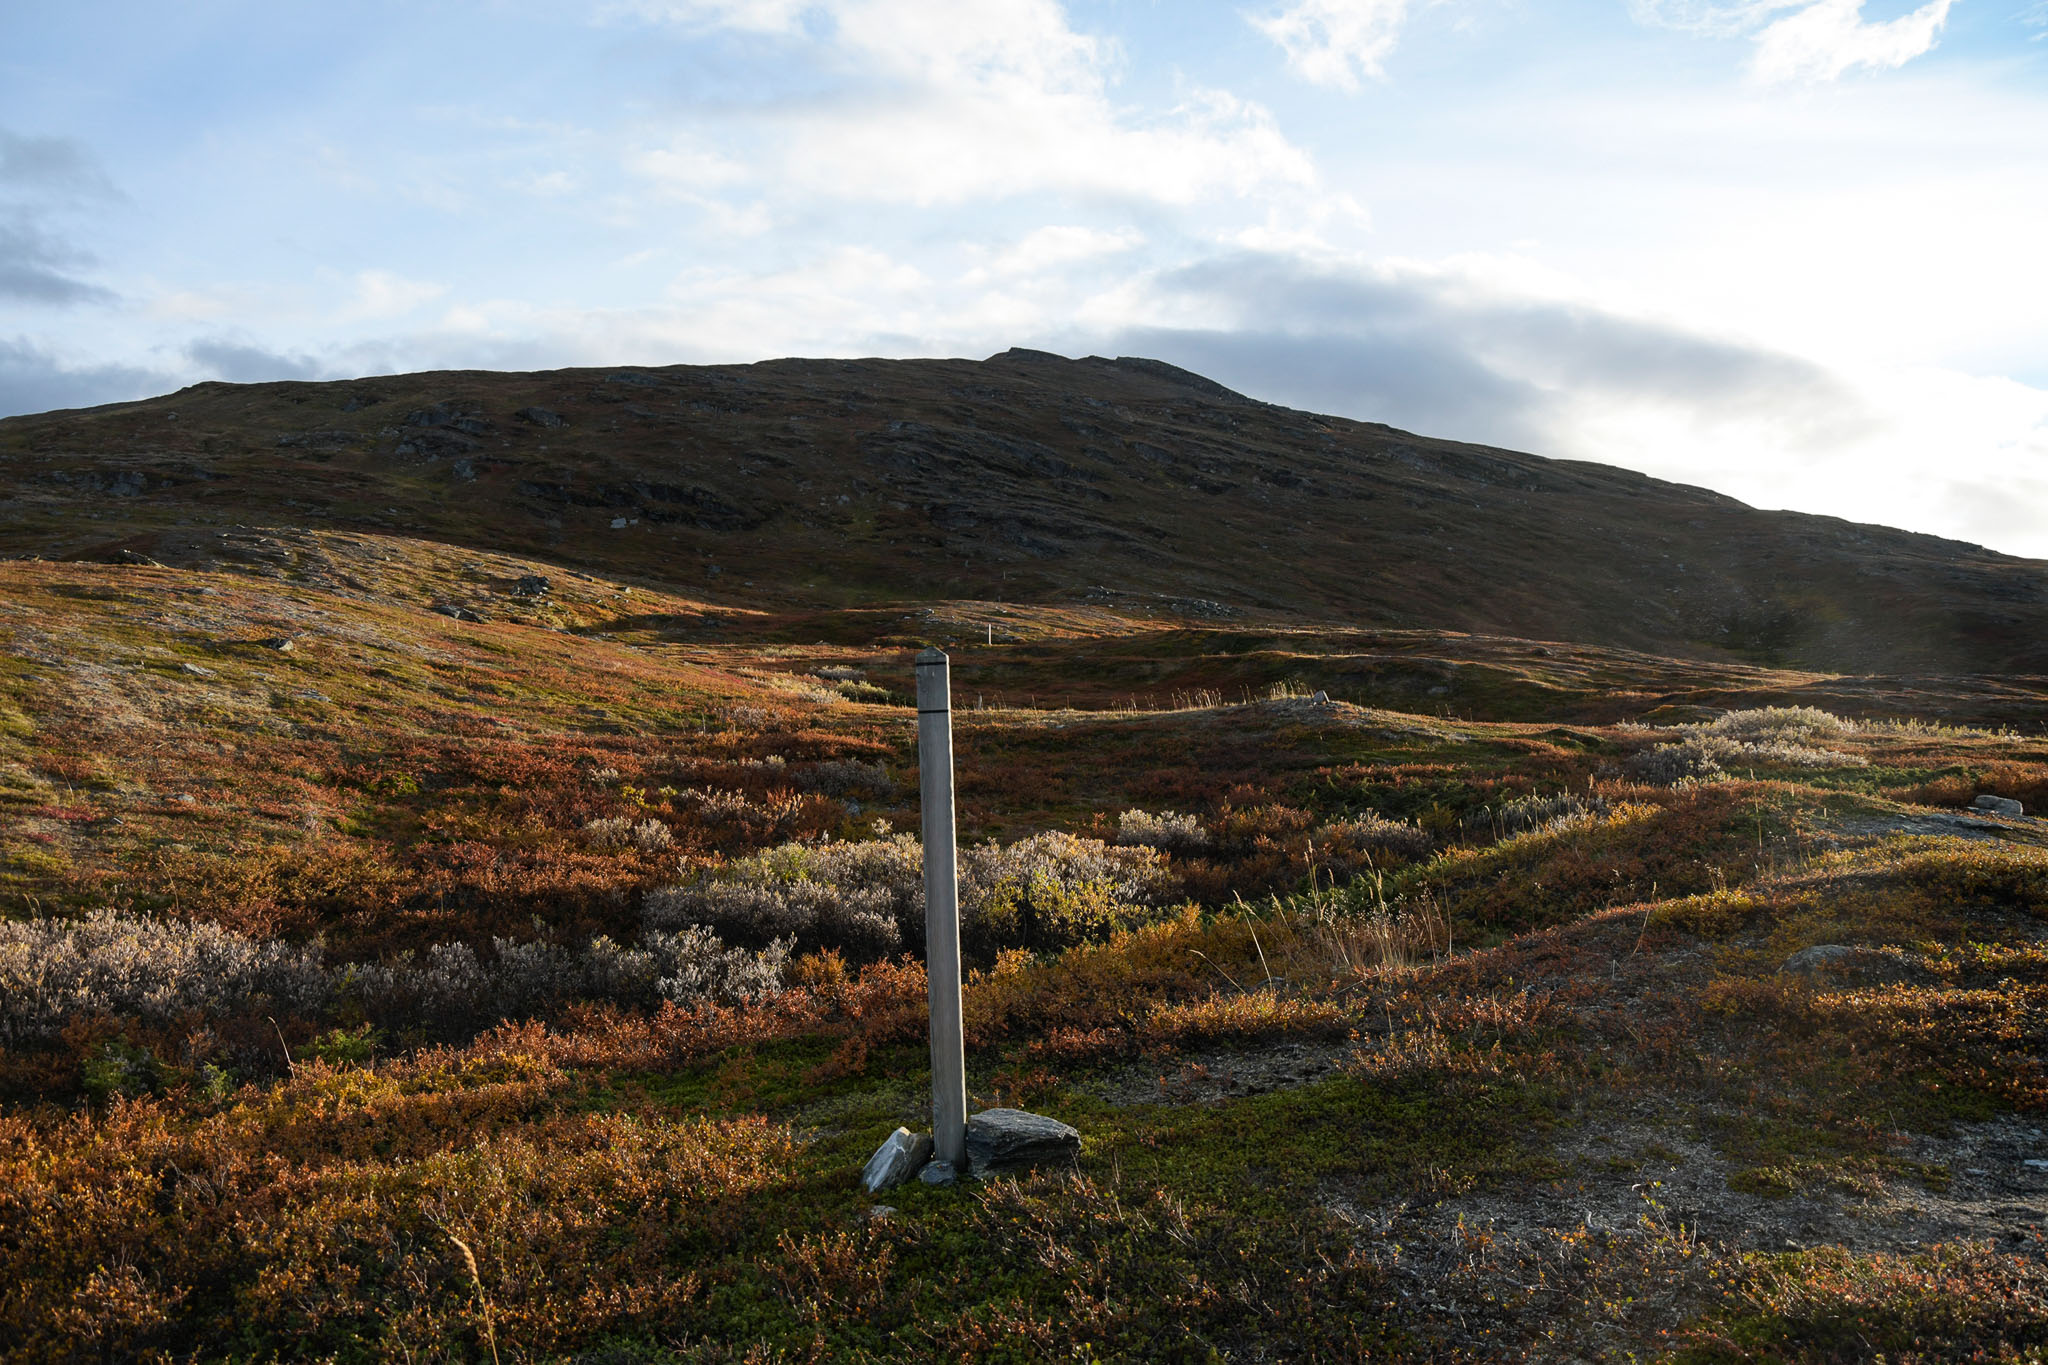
x: 1346, y: 848
x: 452, y: 985
x: 1780, y: 723
x: 53, y: 970
x: 1694, y: 759
x: 867, y: 898
x: 847, y: 777
x: 1707, y: 754
x: 1169, y: 831
x: 1526, y: 813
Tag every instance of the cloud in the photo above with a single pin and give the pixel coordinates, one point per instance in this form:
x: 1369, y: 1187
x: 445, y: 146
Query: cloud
x: 379, y: 294
x: 1445, y: 350
x: 52, y: 168
x: 1334, y: 42
x: 685, y: 167
x: 1824, y: 40
x: 754, y: 16
x: 905, y: 102
x: 241, y: 363
x: 41, y: 177
x: 34, y: 380
x: 1466, y: 349
x: 34, y: 265
x: 1057, y: 245
x: 1820, y: 40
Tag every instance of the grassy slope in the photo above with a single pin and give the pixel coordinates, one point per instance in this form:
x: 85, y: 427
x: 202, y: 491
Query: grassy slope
x: 1596, y: 1123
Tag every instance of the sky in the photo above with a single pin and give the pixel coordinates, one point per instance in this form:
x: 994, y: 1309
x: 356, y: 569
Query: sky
x: 1792, y: 250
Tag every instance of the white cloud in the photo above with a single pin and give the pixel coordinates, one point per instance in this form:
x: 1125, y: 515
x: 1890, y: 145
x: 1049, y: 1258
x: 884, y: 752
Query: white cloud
x: 546, y: 184
x: 1335, y: 42
x: 381, y: 295
x: 756, y: 16
x: 938, y: 105
x: 685, y: 167
x: 1820, y: 41
x: 1055, y: 245
x: 1826, y: 39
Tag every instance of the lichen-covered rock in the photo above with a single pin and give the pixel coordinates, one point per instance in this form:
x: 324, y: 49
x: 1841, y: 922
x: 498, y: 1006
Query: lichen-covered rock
x: 938, y: 1173
x: 1998, y: 805
x: 1004, y: 1139
x: 901, y: 1155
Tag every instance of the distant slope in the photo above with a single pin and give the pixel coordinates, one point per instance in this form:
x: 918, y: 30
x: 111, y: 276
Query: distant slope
x: 1025, y: 477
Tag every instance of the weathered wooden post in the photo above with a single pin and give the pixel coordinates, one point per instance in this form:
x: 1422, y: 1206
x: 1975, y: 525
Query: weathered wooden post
x: 941, y: 907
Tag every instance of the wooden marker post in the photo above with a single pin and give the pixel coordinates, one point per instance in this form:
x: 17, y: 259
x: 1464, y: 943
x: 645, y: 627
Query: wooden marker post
x: 941, y: 908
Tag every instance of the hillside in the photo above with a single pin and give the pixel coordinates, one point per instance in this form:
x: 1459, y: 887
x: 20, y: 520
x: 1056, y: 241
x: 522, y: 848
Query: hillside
x: 1022, y: 478
x: 436, y: 924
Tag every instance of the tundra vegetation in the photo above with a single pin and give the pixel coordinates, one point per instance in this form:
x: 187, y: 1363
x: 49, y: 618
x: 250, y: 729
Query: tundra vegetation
x: 534, y: 989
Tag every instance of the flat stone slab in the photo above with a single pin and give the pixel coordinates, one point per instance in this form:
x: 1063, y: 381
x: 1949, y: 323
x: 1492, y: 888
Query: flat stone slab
x: 1009, y: 1139
x: 901, y: 1156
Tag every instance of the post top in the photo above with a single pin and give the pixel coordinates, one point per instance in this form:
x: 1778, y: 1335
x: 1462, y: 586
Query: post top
x: 931, y: 656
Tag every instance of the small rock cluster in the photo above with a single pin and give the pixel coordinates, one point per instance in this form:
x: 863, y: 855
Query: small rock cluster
x: 997, y: 1140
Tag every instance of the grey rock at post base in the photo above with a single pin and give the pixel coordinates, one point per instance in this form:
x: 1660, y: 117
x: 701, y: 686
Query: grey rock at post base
x: 1850, y: 963
x: 901, y: 1155
x: 1998, y: 805
x: 1000, y: 1139
x: 938, y: 1173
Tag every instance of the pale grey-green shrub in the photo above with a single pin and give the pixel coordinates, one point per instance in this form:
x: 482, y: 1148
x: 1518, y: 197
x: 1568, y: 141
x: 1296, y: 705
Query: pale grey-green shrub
x: 53, y: 970
x: 1780, y: 723
x: 1348, y: 848
x: 847, y: 777
x: 615, y: 833
x: 867, y: 897
x: 1705, y: 756
x: 1169, y: 831
x: 451, y: 985
x: 1522, y: 814
x: 1694, y: 759
x: 56, y: 970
